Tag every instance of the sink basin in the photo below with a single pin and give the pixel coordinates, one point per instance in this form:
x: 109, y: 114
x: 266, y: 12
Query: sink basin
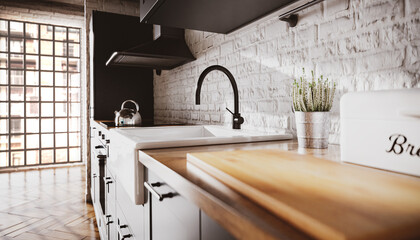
x: 123, y: 159
x: 179, y: 136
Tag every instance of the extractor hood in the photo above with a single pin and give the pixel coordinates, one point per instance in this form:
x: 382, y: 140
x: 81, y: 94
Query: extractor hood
x: 219, y: 16
x: 167, y: 51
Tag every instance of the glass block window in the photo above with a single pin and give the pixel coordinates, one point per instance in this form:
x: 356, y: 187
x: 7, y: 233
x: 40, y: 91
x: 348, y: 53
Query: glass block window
x: 39, y: 94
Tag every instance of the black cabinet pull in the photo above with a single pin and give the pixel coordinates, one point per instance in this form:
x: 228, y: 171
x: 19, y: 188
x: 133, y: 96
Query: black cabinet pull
x: 155, y: 194
x: 107, y: 180
x: 121, y: 234
x: 108, y: 221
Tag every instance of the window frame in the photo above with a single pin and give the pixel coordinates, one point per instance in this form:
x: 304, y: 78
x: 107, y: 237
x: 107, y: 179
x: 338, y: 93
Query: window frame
x: 54, y: 102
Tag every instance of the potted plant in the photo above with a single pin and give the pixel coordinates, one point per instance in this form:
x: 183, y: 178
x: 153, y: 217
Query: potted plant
x: 312, y: 101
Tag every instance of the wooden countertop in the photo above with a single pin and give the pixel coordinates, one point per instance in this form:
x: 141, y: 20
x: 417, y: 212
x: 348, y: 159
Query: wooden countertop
x: 238, y: 214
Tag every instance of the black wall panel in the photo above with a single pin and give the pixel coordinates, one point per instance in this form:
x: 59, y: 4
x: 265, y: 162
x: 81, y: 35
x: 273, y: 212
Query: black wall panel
x: 113, y: 85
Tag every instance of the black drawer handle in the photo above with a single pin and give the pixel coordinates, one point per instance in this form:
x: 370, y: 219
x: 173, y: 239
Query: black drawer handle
x: 107, y: 180
x: 108, y: 220
x: 155, y: 194
x: 122, y: 235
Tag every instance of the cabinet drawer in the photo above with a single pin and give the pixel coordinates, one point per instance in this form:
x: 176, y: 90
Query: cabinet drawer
x: 124, y: 230
x: 133, y: 214
x: 212, y: 230
x: 172, y: 216
x: 110, y: 193
x: 93, y: 178
x: 110, y: 208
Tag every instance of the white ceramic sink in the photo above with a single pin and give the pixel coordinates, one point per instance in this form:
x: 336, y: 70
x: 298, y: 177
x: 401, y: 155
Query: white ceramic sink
x: 125, y: 142
x: 178, y: 136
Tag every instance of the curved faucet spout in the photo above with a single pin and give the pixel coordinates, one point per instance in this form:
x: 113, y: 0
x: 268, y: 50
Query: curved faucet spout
x: 237, y: 119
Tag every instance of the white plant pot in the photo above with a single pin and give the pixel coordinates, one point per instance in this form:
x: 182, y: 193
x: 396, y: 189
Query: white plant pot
x: 313, y: 129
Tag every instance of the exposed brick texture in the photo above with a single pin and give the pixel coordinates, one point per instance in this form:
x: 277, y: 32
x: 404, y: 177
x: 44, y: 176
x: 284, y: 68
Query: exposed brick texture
x: 362, y: 45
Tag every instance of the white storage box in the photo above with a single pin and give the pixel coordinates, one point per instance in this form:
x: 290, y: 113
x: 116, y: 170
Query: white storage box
x: 381, y: 129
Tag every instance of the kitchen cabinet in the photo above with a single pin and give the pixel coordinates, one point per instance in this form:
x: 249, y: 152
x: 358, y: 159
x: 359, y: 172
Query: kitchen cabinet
x: 98, y: 161
x: 110, y: 209
x: 117, y: 216
x: 132, y: 214
x: 171, y: 215
x: 124, y: 231
x: 218, y: 16
x: 212, y: 230
x: 93, y: 175
x: 94, y: 172
x: 165, y: 213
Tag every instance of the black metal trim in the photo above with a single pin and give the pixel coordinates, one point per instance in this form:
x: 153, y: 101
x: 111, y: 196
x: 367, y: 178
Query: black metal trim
x: 291, y: 20
x: 295, y: 10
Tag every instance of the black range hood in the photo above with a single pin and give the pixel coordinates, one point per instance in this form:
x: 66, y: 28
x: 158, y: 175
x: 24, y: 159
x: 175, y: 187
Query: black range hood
x: 219, y: 16
x: 167, y: 51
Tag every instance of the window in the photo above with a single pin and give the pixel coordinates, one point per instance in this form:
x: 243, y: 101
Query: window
x: 39, y: 94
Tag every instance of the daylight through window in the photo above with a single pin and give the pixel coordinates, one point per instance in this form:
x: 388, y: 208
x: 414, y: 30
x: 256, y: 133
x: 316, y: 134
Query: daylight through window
x: 39, y: 94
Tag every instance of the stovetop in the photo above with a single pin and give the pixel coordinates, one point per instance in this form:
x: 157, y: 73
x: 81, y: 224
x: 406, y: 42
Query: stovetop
x: 110, y: 124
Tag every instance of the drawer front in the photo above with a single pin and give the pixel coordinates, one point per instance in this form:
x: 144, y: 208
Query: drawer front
x: 212, y: 230
x: 172, y: 217
x: 93, y: 177
x: 110, y: 208
x: 134, y: 214
x: 110, y: 193
x: 123, y: 228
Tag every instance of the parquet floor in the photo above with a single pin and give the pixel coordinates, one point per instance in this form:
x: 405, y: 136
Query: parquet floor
x: 46, y: 204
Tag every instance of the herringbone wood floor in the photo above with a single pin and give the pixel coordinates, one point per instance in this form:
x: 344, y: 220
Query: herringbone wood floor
x: 46, y: 204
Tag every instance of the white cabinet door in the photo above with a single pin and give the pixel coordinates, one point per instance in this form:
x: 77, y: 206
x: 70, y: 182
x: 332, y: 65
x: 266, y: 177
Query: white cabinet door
x: 124, y: 230
x: 172, y: 216
x: 134, y: 214
x: 110, y: 209
x: 211, y: 230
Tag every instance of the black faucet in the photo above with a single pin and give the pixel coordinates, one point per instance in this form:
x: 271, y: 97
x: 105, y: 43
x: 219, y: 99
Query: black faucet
x: 237, y: 119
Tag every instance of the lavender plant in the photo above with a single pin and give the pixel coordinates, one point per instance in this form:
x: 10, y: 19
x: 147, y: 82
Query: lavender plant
x: 313, y: 96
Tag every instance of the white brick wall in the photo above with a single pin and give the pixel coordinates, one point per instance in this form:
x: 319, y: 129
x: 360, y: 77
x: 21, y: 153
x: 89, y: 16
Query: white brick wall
x: 361, y: 44
x: 14, y: 13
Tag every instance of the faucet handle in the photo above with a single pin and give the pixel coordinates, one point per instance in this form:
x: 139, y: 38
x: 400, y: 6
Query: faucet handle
x: 237, y: 119
x: 230, y: 111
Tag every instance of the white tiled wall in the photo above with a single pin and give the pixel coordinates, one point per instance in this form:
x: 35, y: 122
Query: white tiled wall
x: 361, y: 44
